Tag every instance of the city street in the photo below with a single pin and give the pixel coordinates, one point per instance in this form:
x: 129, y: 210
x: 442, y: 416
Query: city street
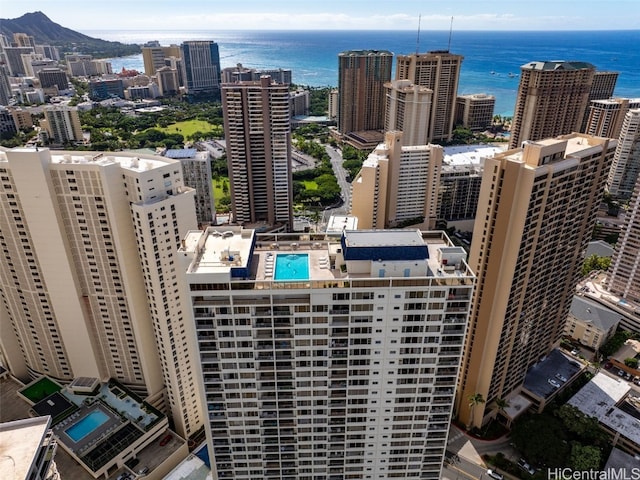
x: 345, y: 186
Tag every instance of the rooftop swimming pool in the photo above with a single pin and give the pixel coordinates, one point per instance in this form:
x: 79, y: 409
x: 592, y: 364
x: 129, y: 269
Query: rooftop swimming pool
x: 292, y: 266
x: 87, y: 425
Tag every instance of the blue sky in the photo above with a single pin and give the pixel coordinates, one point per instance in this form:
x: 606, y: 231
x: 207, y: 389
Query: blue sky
x: 333, y: 14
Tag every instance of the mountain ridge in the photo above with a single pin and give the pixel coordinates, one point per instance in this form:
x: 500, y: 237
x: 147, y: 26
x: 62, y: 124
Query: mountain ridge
x: 45, y: 31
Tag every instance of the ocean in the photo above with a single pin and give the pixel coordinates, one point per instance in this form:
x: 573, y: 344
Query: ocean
x: 312, y: 55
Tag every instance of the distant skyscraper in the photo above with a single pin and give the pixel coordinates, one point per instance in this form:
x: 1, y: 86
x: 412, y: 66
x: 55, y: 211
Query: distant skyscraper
x: 439, y: 71
x: 536, y: 213
x: 361, y: 78
x: 624, y: 275
x: 53, y: 77
x: 552, y: 100
x: 13, y: 56
x: 343, y: 367
x: 458, y: 191
x: 407, y: 110
x: 475, y: 111
x: 258, y: 134
x: 153, y: 56
x: 201, y: 64
x: 603, y: 86
x: 88, y: 273
x: 5, y: 86
x: 397, y: 184
x: 62, y: 124
x: 167, y: 79
x: 606, y: 116
x: 626, y: 162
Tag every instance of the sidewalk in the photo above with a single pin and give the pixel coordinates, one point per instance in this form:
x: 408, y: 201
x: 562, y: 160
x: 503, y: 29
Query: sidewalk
x: 472, y: 448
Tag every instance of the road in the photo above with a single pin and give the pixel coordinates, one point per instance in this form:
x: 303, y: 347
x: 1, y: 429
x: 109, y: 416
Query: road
x: 345, y: 186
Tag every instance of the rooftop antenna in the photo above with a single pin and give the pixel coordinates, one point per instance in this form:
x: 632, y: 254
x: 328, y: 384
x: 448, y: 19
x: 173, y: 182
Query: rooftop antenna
x: 450, y: 31
x: 418, y: 39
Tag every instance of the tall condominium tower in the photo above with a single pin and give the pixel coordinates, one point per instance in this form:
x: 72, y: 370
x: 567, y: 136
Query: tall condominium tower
x: 438, y: 70
x: 332, y: 358
x: 606, y: 116
x: 88, y: 275
x: 397, y: 185
x: 626, y: 162
x: 201, y: 67
x: 624, y: 275
x: 154, y: 55
x: 552, y: 100
x: 62, y: 124
x: 603, y: 86
x: 361, y: 78
x: 256, y: 122
x: 407, y: 110
x: 536, y: 212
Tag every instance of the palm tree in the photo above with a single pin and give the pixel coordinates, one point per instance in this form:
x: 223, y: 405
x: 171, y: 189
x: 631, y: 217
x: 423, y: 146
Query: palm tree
x: 500, y: 405
x: 474, y: 400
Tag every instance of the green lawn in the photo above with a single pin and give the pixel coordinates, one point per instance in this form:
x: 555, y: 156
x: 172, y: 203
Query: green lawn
x: 40, y: 390
x: 218, y: 190
x: 189, y: 127
x: 310, y: 185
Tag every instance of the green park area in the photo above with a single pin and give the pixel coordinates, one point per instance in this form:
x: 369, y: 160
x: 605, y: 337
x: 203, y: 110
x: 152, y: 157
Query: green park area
x: 189, y: 127
x: 310, y: 185
x: 221, y: 194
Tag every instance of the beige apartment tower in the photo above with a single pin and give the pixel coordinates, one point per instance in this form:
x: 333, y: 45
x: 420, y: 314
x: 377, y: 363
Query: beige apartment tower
x: 397, y: 185
x: 475, y: 111
x: 88, y: 276
x: 154, y: 56
x: 257, y: 125
x: 361, y: 78
x: 624, y: 275
x: 602, y: 88
x: 407, y: 110
x: 606, y: 117
x: 552, y: 100
x: 535, y: 216
x: 439, y: 71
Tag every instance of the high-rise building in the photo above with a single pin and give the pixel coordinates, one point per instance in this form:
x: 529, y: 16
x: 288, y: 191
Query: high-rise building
x: 5, y: 86
x: 361, y: 78
x: 440, y: 71
x: 8, y: 127
x: 168, y: 81
x: 258, y: 134
x: 240, y: 73
x: 536, y: 213
x: 327, y: 358
x: 53, y: 77
x: 626, y: 162
x: 105, y: 88
x: 23, y: 40
x: 62, y: 124
x: 153, y: 56
x: 88, y: 273
x: 458, y: 191
x: 407, y: 110
x: 623, y: 278
x: 606, y: 116
x: 603, y: 86
x: 201, y: 65
x: 552, y: 100
x: 397, y: 185
x: 13, y: 56
x: 475, y: 111
x: 333, y: 104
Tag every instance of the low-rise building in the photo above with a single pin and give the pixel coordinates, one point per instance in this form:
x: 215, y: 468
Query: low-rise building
x: 590, y: 323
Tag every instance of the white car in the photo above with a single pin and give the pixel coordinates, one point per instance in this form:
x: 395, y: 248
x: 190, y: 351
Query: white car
x: 495, y: 475
x: 562, y: 378
x: 526, y: 467
x: 553, y: 383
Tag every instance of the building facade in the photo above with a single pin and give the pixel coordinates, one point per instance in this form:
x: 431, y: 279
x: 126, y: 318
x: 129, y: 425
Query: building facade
x: 154, y: 55
x: 62, y: 124
x: 552, y: 100
x: 440, y: 71
x: 257, y: 126
x: 459, y: 191
x: 535, y: 216
x: 624, y: 274
x: 361, y: 94
x: 344, y: 371
x: 603, y: 86
x: 606, y: 116
x: 626, y: 163
x: 407, y: 109
x: 397, y: 185
x: 88, y: 278
x: 201, y: 67
x: 475, y: 111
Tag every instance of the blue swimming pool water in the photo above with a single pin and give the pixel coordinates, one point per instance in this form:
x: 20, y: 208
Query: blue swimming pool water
x: 292, y: 266
x: 87, y: 425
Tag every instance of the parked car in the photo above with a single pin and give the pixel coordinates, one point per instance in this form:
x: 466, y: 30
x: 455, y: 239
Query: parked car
x: 522, y: 463
x: 562, y: 378
x: 553, y: 383
x: 575, y: 351
x: 165, y: 440
x: 620, y: 372
x: 607, y: 365
x: 495, y: 475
